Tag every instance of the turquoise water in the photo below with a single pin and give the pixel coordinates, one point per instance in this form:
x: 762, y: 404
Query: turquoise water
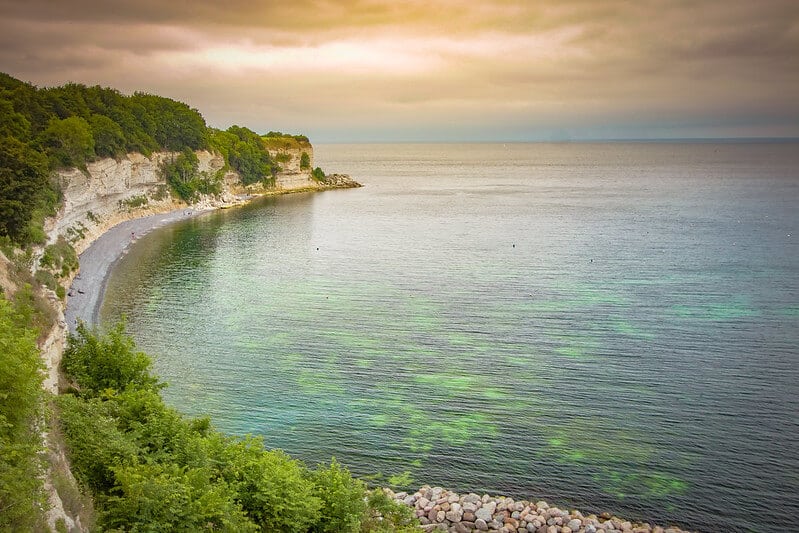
x: 611, y: 327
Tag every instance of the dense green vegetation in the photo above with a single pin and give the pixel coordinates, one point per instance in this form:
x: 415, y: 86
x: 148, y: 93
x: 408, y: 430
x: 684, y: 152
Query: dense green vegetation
x: 150, y: 469
x: 182, y: 175
x: 246, y: 152
x: 42, y: 129
x: 21, y: 410
x: 69, y: 126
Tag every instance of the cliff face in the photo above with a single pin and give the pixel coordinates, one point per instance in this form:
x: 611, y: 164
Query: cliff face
x: 289, y: 156
x: 115, y: 190
x: 112, y: 191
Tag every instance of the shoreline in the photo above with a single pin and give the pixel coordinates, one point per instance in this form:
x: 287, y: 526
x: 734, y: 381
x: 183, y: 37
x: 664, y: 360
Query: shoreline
x: 436, y: 508
x: 85, y: 294
x: 99, y: 255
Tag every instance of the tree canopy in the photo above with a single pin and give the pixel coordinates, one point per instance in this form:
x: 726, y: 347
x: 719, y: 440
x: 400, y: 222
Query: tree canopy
x: 42, y: 129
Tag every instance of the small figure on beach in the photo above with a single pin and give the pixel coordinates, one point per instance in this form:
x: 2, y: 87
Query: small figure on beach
x: 132, y: 235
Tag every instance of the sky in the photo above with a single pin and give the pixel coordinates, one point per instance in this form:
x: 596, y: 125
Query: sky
x: 431, y: 70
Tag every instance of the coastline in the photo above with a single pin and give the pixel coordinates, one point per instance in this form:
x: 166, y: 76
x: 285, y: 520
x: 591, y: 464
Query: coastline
x: 99, y: 254
x: 85, y: 295
x: 436, y: 508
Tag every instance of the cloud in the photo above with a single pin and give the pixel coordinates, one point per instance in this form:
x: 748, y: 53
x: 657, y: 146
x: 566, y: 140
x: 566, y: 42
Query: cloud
x: 371, y: 66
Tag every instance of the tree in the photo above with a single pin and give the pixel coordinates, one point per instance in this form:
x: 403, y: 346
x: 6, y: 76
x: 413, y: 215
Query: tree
x: 13, y: 124
x: 181, y: 173
x: 107, y: 363
x: 305, y: 161
x: 23, y: 179
x: 109, y: 141
x: 69, y: 142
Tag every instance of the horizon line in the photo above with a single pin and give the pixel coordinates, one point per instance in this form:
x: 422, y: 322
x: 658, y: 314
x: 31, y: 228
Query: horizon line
x: 687, y: 140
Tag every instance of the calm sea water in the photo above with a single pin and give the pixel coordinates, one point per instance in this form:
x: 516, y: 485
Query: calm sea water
x: 612, y: 327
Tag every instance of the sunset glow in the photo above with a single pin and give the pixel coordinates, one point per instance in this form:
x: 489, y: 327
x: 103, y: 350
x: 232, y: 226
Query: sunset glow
x: 367, y: 70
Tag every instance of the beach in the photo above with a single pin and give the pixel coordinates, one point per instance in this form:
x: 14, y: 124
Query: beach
x: 85, y: 295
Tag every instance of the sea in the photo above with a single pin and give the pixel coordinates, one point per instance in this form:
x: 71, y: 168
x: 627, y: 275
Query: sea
x: 612, y: 327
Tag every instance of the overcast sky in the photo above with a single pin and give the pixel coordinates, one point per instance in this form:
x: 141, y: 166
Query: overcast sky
x: 368, y: 70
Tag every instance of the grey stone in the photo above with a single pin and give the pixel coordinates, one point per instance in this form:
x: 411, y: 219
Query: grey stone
x: 459, y: 528
x: 481, y: 524
x: 484, y: 513
x: 472, y: 498
x: 454, y: 516
x: 574, y: 524
x: 471, y: 506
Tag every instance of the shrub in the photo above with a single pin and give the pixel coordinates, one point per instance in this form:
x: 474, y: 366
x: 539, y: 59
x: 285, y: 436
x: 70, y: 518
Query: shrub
x: 305, y: 161
x: 170, y: 498
x: 342, y: 497
x: 134, y: 201
x: 153, y: 470
x: 112, y: 362
x: 271, y: 488
x: 21, y: 404
x: 60, y: 257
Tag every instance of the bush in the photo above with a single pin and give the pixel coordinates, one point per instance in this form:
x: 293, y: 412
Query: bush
x: 96, y: 445
x: 318, y: 174
x: 153, y: 470
x: 185, y: 181
x: 134, y: 201
x: 112, y: 362
x: 171, y: 498
x: 305, y: 161
x: 60, y: 257
x: 342, y: 497
x: 271, y: 487
x: 21, y: 405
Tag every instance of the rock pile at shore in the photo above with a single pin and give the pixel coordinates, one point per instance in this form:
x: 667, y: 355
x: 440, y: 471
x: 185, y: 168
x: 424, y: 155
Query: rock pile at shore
x: 441, y: 510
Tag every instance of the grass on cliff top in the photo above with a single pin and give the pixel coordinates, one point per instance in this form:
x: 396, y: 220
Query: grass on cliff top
x: 282, y: 141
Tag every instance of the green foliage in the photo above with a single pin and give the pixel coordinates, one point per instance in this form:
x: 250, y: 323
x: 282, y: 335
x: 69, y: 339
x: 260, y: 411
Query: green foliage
x: 285, y: 137
x: 23, y: 188
x: 305, y: 161
x: 282, y: 157
x: 60, y: 257
x: 272, y: 488
x: 109, y: 140
x: 69, y: 142
x: 343, y: 504
x: 318, y: 174
x: 384, y: 514
x: 170, y: 498
x: 134, y: 201
x: 101, y: 363
x: 21, y: 404
x: 33, y: 309
x: 153, y: 470
x: 96, y: 444
x: 13, y: 124
x: 174, y: 125
x: 181, y: 173
x: 245, y: 151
